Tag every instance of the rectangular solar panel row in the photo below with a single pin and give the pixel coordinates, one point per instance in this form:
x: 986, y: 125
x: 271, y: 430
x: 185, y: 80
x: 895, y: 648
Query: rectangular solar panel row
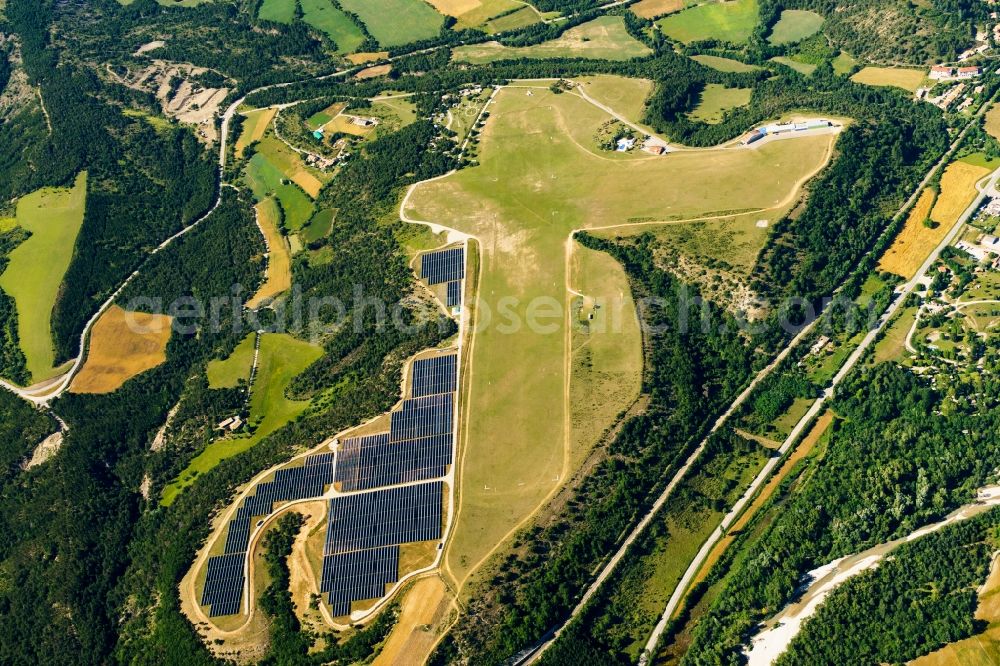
x: 223, y: 590
x: 384, y: 518
x: 454, y: 293
x: 293, y: 483
x: 443, y: 266
x: 371, y: 462
x: 362, y: 574
x: 438, y: 374
x: 422, y: 417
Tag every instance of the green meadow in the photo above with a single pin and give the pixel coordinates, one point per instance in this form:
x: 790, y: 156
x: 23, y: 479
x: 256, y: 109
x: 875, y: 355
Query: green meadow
x: 724, y: 21
x: 395, y: 22
x: 281, y: 359
x: 37, y: 267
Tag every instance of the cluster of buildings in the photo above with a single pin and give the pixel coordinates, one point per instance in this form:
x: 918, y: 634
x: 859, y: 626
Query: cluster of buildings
x: 949, y: 73
x: 232, y: 424
x: 777, y: 129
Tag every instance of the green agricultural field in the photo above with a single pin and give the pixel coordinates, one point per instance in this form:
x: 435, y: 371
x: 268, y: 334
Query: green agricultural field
x: 801, y: 67
x: 522, y: 18
x: 603, y: 38
x: 265, y: 179
x: 716, y: 100
x: 318, y: 227
x: 907, y: 79
x: 844, y: 63
x: 626, y: 96
x: 522, y: 203
x: 794, y: 26
x: 282, y: 357
x: 725, y: 21
x: 279, y: 11
x: 395, y: 22
x: 338, y: 26
x: 227, y: 372
x: 724, y: 64
x: 37, y: 266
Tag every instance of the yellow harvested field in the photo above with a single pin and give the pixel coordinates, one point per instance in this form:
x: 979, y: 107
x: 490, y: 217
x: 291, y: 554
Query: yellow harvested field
x: 993, y: 122
x: 279, y: 258
x: 655, y: 8
x: 411, y: 640
x: 914, y: 242
x: 372, y: 72
x: 368, y: 56
x: 958, y: 189
x: 308, y: 182
x: 255, y: 124
x: 122, y: 345
x: 455, y: 7
x: 907, y: 79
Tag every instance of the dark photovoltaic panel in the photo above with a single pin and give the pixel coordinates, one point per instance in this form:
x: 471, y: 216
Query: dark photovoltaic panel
x: 374, y: 461
x: 223, y: 584
x: 438, y: 374
x: 443, y: 266
x: 362, y: 574
x: 384, y: 518
x: 422, y: 417
x: 293, y: 483
x: 454, y: 293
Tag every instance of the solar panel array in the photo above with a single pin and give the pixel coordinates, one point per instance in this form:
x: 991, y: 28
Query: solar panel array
x: 422, y: 417
x: 384, y: 518
x: 363, y: 535
x: 437, y: 374
x: 224, y: 580
x: 374, y: 461
x: 443, y: 266
x: 454, y: 293
x: 362, y: 574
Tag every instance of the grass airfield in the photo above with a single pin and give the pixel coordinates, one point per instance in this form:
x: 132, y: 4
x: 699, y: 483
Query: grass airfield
x: 540, y: 177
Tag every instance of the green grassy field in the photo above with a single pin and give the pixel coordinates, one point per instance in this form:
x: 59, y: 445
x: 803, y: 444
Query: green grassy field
x: 800, y: 67
x: 606, y: 368
x: 794, y: 26
x: 625, y: 95
x: 603, y: 38
x: 282, y: 357
x: 844, y: 63
x: 724, y: 21
x: 907, y: 79
x: 402, y: 108
x: 279, y: 11
x: 37, y: 266
x: 522, y: 18
x: 265, y: 180
x: 539, y: 179
x: 395, y: 22
x: 724, y: 64
x: 716, y: 100
x: 227, y: 372
x: 338, y: 26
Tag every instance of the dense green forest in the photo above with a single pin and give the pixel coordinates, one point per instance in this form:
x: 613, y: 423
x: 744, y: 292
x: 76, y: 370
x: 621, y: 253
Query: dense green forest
x: 920, y: 598
x: 895, y: 463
